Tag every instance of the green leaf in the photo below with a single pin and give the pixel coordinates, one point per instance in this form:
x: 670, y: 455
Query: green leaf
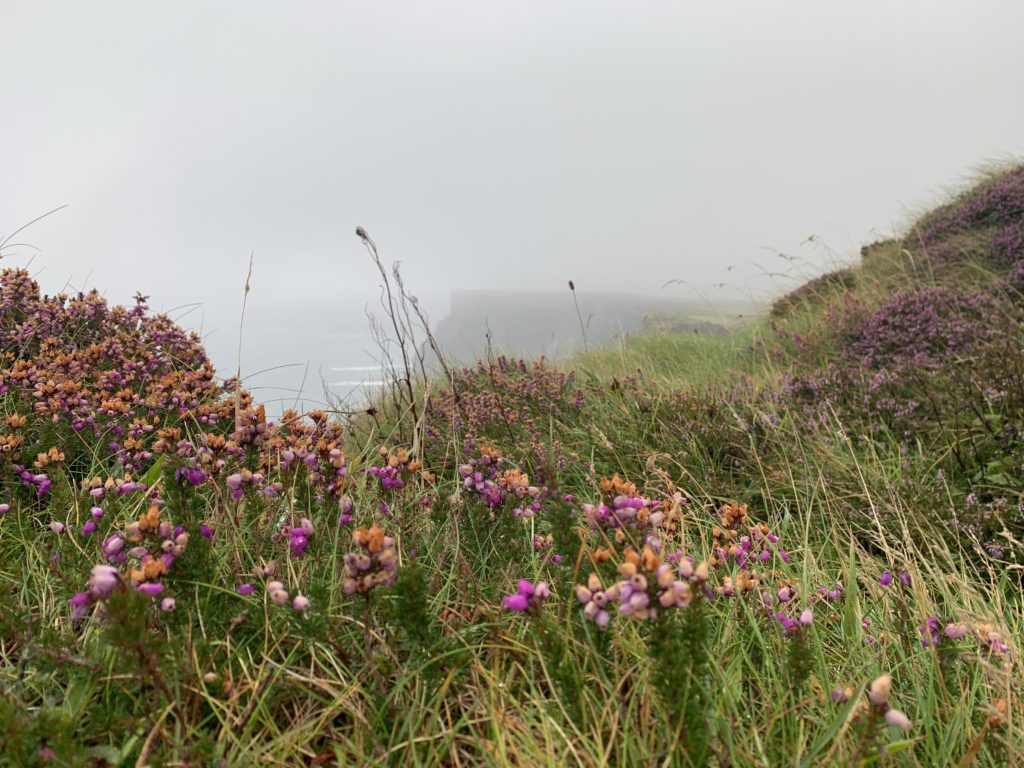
x: 106, y: 752
x: 153, y: 473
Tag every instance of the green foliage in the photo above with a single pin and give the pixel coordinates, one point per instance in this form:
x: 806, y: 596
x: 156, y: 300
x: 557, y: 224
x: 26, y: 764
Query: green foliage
x: 433, y: 670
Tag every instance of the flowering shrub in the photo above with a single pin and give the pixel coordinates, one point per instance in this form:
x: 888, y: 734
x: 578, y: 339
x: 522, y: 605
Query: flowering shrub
x: 925, y: 328
x: 996, y: 201
x: 171, y: 558
x: 506, y: 401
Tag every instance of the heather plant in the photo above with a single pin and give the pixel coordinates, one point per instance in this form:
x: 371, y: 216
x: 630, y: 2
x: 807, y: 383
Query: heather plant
x: 683, y: 553
x: 997, y: 200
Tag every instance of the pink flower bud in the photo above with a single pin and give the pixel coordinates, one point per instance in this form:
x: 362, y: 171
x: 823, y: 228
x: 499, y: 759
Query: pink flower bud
x: 880, y: 689
x: 897, y: 719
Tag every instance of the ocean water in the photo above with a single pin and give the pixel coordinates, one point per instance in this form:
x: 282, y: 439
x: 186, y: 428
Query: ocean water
x: 285, y: 364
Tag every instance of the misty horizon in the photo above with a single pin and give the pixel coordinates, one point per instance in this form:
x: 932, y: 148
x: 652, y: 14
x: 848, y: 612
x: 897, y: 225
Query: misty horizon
x: 699, y: 153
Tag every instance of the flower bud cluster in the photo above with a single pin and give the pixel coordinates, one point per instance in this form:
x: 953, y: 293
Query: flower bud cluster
x: 878, y: 698
x: 649, y: 585
x: 299, y: 537
x: 730, y: 544
x: 279, y: 595
x: 934, y: 633
x: 623, y: 512
x: 480, y: 475
x: 398, y: 465
x: 239, y: 481
x: 374, y: 566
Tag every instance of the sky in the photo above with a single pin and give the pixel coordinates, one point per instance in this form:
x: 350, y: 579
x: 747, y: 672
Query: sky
x: 483, y: 144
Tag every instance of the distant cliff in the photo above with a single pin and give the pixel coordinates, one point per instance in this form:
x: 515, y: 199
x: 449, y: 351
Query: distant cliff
x: 532, y: 323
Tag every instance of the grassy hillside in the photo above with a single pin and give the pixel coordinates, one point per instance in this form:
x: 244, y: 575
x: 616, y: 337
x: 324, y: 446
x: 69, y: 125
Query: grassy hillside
x: 798, y: 544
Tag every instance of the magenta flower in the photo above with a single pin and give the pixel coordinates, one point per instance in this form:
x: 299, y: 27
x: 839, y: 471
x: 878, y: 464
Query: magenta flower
x: 80, y: 604
x: 528, y: 596
x: 886, y: 579
x: 245, y: 589
x: 517, y: 602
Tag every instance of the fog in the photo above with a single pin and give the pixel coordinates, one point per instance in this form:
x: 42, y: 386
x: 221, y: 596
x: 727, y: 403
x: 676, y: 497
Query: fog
x: 664, y: 149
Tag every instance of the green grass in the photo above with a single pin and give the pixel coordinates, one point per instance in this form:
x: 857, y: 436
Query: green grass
x: 433, y: 671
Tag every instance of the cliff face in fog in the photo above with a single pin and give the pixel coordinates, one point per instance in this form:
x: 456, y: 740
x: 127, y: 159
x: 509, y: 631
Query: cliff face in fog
x: 535, y: 323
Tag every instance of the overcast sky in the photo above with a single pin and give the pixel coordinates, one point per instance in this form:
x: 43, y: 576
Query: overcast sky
x: 484, y: 144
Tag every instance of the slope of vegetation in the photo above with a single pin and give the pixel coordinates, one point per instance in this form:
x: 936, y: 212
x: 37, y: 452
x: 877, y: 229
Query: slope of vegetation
x: 799, y: 544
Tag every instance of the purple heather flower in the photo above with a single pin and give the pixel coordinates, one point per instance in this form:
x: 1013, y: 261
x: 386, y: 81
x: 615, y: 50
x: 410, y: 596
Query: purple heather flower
x: 103, y: 579
x: 300, y: 604
x: 167, y: 604
x: 4, y: 509
x: 57, y: 527
x: 905, y: 578
x: 839, y: 696
x: 206, y: 531
x: 89, y: 527
x: 518, y: 603
x: 298, y: 543
x: 151, y: 588
x: 97, y: 513
x: 807, y: 617
x: 956, y: 631
x: 886, y: 579
x: 112, y: 546
x: 996, y: 645
x: 245, y: 589
x: 527, y: 596
x: 80, y: 604
x: 191, y: 475
x: 346, y: 505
